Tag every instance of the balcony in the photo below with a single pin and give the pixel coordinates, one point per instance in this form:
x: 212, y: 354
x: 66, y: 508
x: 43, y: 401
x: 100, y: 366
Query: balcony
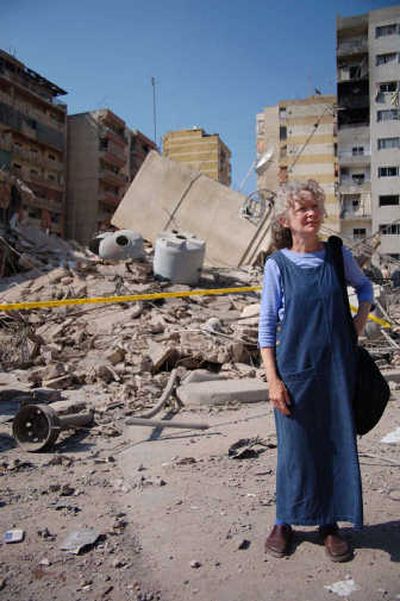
x: 114, y: 179
x: 44, y: 183
x: 349, y: 186
x: 349, y: 158
x: 35, y: 158
x: 109, y: 199
x: 36, y: 91
x: 111, y: 135
x: 350, y: 214
x: 109, y: 156
x: 45, y: 203
x: 351, y: 47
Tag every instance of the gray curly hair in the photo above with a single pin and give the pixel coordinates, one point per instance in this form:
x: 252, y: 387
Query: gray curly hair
x: 286, y: 196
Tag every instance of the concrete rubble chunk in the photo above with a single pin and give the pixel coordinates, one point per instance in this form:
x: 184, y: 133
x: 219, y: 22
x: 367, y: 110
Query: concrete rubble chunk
x: 62, y: 382
x: 219, y: 392
x: 160, y: 354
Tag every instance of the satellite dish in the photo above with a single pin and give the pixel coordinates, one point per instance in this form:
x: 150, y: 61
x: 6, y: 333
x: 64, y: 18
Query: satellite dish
x: 256, y: 204
x: 262, y: 162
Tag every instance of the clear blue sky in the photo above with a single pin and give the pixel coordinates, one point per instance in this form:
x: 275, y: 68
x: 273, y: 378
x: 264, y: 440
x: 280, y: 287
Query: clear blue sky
x: 216, y: 62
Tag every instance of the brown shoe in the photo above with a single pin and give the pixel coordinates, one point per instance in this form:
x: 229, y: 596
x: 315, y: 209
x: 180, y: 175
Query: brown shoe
x: 337, y: 548
x: 278, y: 541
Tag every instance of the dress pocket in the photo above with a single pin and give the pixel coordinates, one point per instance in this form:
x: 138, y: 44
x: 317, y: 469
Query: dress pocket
x: 298, y: 376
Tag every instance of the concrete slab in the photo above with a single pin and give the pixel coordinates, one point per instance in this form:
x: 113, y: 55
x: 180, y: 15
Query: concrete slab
x: 220, y: 392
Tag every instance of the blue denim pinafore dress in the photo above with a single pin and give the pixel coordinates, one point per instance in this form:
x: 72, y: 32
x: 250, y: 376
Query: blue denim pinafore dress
x: 318, y: 476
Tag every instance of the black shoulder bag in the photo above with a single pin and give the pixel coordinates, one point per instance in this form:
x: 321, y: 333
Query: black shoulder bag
x: 372, y: 392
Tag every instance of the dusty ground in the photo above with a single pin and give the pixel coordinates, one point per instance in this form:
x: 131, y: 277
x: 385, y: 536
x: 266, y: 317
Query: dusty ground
x: 175, y: 516
x: 178, y: 518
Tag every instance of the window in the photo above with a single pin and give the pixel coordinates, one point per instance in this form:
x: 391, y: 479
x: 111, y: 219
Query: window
x: 388, y: 57
x: 388, y: 200
x: 31, y: 122
x: 389, y: 229
x: 388, y: 171
x: 388, y: 86
x: 103, y: 144
x: 388, y: 115
x: 359, y: 233
x: 384, y: 143
x: 358, y: 178
x: 282, y: 133
x: 357, y: 150
x: 386, y: 30
x: 52, y: 157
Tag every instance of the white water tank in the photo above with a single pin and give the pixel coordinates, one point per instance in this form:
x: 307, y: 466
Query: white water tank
x: 178, y: 257
x: 118, y: 246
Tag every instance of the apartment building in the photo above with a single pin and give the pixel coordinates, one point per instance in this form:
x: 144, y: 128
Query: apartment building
x: 98, y: 171
x: 205, y: 152
x: 139, y: 147
x: 296, y: 140
x: 32, y: 143
x: 368, y: 87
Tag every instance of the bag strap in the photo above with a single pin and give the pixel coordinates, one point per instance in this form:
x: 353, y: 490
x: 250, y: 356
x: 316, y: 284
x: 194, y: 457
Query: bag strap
x: 335, y: 245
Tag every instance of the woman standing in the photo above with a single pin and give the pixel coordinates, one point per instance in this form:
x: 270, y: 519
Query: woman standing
x: 309, y: 359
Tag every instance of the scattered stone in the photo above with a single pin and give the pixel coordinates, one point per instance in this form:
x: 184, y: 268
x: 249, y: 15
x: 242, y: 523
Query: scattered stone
x: 195, y: 564
x: 79, y: 540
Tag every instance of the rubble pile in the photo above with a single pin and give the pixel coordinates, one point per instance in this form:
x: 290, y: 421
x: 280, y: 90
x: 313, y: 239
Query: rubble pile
x: 26, y: 248
x: 123, y: 352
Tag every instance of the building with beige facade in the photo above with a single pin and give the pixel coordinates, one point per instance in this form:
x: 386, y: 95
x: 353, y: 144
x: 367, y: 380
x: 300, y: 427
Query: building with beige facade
x: 33, y: 143
x: 299, y: 139
x: 368, y: 88
x: 206, y: 153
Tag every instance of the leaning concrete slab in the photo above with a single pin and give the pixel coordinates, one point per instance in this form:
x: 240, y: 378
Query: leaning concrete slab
x: 166, y: 195
x: 220, y: 392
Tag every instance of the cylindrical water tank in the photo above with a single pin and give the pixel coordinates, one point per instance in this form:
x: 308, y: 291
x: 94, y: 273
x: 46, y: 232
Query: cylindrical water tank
x: 178, y: 257
x: 119, y: 245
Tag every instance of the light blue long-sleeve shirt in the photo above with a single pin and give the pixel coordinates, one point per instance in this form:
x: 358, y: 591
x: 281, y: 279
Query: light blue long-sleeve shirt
x: 272, y: 307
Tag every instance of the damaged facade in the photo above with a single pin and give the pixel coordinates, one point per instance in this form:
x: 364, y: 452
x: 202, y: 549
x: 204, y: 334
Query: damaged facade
x: 32, y: 145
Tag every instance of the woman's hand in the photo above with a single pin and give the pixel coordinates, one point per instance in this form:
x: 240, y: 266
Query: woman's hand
x: 279, y: 396
x: 361, y: 318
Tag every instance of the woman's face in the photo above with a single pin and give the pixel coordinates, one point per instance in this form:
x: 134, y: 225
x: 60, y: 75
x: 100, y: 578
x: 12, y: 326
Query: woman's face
x: 305, y: 216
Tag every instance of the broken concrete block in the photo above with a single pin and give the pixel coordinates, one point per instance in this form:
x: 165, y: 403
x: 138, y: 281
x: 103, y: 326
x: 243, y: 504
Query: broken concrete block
x: 156, y: 325
x: 115, y: 355
x: 69, y: 406
x: 250, y: 314
x: 61, y: 382
x: 160, y: 355
x: 201, y: 375
x: 219, y: 392
x: 49, y: 372
x: 239, y: 352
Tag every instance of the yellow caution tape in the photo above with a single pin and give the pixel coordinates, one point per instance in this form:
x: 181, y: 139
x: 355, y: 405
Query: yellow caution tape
x: 379, y: 320
x: 65, y: 302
